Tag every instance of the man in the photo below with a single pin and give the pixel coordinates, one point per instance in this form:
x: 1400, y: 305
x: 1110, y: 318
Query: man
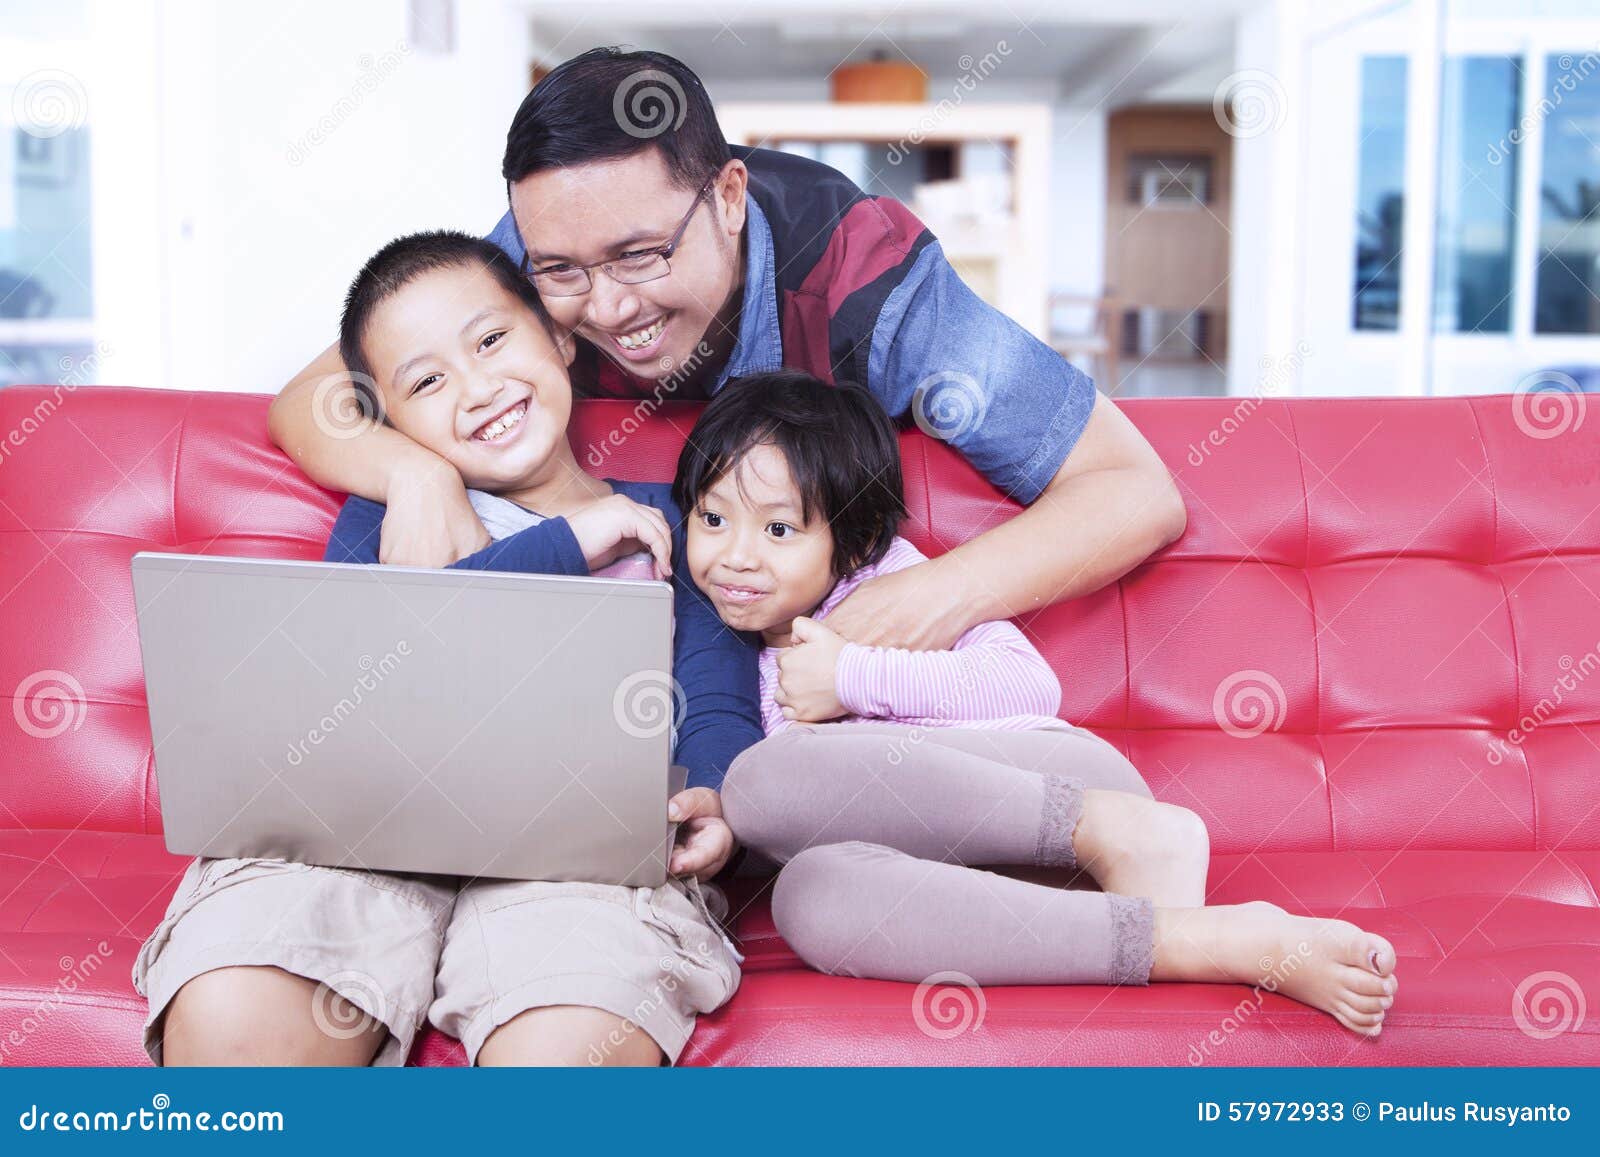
x: 677, y: 263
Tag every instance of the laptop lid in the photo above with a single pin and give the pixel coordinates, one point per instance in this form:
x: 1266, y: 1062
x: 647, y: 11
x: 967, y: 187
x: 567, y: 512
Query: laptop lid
x: 410, y: 719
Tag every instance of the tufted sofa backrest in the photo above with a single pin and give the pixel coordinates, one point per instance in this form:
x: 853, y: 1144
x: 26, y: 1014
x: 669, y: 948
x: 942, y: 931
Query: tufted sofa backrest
x: 1381, y: 628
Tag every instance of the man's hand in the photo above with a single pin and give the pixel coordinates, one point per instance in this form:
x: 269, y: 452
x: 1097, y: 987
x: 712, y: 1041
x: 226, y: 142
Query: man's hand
x: 920, y: 608
x: 705, y: 841
x: 808, y: 673
x: 429, y: 520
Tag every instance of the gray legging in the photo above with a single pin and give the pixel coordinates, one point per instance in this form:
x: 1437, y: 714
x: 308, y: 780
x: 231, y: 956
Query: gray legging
x: 876, y: 824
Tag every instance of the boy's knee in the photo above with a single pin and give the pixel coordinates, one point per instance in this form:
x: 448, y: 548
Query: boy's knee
x: 253, y: 1014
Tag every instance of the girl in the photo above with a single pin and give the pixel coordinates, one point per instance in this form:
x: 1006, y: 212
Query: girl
x: 886, y: 774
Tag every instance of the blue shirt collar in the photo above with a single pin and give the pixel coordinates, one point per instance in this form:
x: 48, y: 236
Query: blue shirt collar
x: 759, y: 346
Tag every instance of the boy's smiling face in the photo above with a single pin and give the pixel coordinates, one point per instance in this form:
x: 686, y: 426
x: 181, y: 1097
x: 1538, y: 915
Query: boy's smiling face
x: 468, y: 371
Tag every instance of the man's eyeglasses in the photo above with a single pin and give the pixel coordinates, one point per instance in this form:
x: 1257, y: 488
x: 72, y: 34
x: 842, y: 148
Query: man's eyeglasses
x: 632, y: 268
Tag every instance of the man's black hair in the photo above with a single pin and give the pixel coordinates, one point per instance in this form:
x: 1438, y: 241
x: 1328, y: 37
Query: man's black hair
x: 401, y: 262
x: 842, y: 450
x: 609, y: 103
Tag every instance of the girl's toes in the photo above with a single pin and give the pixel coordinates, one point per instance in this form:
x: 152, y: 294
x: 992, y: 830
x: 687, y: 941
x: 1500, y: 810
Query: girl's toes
x: 1380, y: 956
x: 1365, y: 983
x: 1367, y: 1005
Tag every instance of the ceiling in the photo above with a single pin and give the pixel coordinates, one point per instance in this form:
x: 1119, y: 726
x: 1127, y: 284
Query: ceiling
x: 1076, y: 52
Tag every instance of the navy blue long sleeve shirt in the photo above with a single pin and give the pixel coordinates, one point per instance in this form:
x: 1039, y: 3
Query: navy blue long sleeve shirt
x: 715, y: 665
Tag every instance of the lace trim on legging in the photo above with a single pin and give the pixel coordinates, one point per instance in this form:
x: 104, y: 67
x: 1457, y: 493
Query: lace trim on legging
x: 1063, y: 808
x: 1133, y: 939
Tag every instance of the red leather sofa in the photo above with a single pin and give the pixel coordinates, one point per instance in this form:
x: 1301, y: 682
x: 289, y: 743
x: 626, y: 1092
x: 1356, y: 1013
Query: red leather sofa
x: 1370, y: 664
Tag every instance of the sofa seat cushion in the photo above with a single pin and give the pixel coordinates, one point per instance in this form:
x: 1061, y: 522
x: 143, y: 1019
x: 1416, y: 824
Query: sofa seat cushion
x: 1471, y: 928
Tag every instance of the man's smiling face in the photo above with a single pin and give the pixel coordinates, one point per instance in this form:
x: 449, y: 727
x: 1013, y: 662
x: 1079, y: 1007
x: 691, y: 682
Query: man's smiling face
x: 601, y: 210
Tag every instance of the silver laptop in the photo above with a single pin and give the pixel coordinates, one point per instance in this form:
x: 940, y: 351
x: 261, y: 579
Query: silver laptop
x: 407, y: 719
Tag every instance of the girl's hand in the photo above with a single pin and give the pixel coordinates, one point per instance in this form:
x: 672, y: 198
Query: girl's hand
x: 705, y: 841
x: 808, y: 689
x: 428, y: 520
x: 920, y: 608
x: 617, y: 526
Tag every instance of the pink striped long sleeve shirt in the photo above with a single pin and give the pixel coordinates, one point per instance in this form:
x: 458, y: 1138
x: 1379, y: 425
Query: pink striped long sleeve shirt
x: 992, y: 678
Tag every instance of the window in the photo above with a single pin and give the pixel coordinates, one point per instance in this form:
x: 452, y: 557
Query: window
x: 1567, y: 274
x: 46, y: 306
x: 1478, y: 157
x: 1380, y: 192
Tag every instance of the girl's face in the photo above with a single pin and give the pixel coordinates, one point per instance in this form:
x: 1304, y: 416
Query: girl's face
x: 467, y: 370
x: 750, y: 550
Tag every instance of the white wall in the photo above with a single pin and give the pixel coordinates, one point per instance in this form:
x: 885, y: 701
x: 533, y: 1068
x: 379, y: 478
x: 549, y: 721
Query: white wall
x: 1076, y: 241
x: 299, y: 137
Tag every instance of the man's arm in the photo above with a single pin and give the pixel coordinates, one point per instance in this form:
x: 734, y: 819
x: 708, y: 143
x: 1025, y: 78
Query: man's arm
x: 1100, y: 500
x: 1110, y: 506
x: 319, y: 421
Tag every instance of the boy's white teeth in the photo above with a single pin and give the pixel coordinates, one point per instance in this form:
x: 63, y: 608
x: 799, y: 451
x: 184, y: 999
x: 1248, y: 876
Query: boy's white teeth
x: 643, y: 337
x: 503, y: 423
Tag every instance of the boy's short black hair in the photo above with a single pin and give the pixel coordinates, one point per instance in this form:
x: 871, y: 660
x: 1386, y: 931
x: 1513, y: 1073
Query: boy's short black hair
x: 841, y: 447
x: 608, y: 103
x: 401, y: 262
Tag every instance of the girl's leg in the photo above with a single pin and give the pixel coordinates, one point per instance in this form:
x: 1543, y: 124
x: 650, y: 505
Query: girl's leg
x: 859, y: 909
x: 1076, y: 753
x: 935, y: 800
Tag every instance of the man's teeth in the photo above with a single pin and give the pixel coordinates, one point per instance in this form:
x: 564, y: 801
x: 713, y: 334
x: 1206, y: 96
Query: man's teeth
x: 641, y: 338
x: 501, y: 425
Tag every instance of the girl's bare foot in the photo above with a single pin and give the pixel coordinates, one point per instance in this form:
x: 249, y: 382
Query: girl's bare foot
x: 1141, y: 847
x: 1329, y: 964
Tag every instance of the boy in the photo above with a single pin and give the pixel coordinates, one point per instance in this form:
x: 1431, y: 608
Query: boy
x: 262, y: 961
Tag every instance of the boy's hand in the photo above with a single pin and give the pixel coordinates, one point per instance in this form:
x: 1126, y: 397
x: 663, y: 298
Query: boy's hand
x: 808, y: 688
x: 616, y: 527
x: 428, y: 520
x: 705, y: 841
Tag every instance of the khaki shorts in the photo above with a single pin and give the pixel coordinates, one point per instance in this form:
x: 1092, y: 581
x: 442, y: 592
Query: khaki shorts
x: 467, y: 955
